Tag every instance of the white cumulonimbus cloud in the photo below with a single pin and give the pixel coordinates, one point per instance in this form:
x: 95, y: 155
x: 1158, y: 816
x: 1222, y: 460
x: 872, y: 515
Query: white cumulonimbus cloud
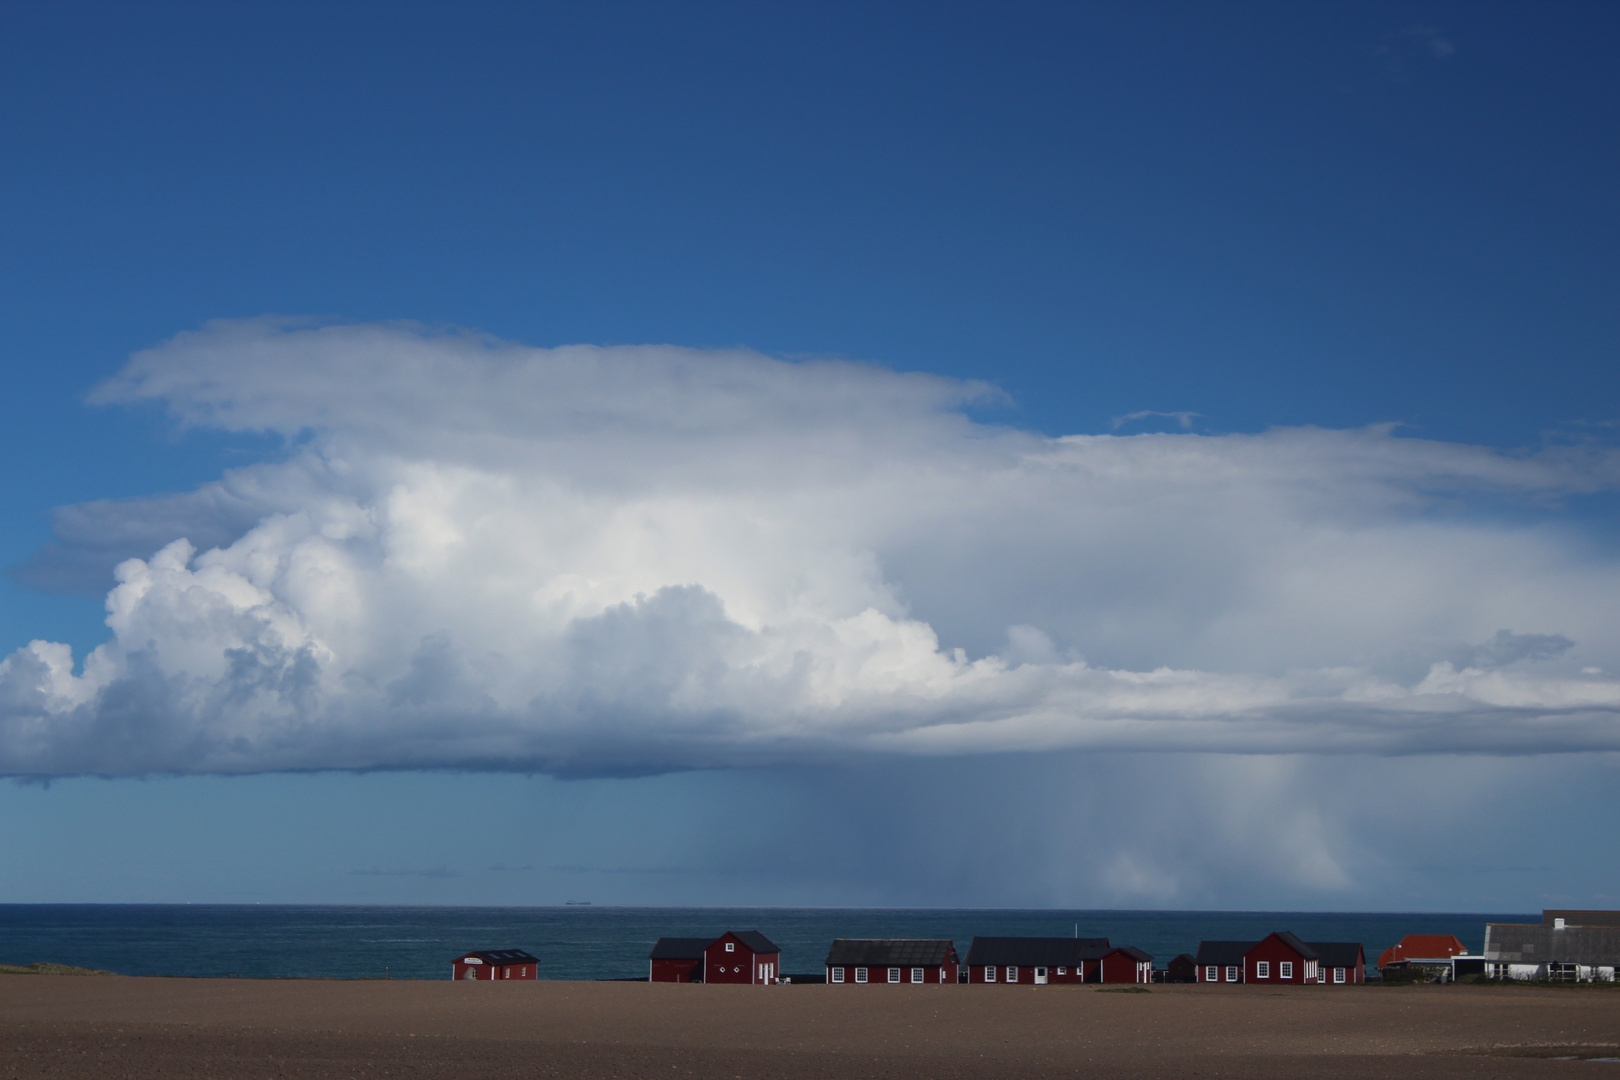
x: 473, y: 554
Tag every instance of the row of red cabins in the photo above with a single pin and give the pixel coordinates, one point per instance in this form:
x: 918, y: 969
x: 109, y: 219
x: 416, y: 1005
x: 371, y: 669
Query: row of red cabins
x: 750, y: 957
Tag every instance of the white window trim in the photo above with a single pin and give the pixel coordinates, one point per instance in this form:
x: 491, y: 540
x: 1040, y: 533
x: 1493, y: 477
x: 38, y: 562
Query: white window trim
x: 731, y: 946
x: 1285, y: 969
x: 1012, y: 973
x: 1212, y: 973
x: 1338, y: 975
x: 918, y: 975
x: 860, y: 975
x: 1231, y: 973
x: 838, y: 975
x: 894, y: 975
x: 1062, y: 971
x: 1262, y: 969
x: 990, y: 973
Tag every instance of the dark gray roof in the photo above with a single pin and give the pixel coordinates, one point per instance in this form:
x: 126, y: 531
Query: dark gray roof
x: 891, y: 952
x: 502, y: 956
x: 1528, y: 943
x: 1294, y: 943
x: 1134, y: 953
x: 1582, y: 918
x: 1338, y: 954
x: 1034, y: 951
x: 679, y: 948
x: 1222, y: 953
x: 756, y: 941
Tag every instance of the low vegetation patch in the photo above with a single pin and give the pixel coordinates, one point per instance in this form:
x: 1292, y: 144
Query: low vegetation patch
x: 1485, y: 980
x: 43, y: 968
x: 1555, y: 1052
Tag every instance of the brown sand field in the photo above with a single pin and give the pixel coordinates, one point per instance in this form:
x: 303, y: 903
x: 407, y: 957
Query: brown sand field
x: 107, y: 1027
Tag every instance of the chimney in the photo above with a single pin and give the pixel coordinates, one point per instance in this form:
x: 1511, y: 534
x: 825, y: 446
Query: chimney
x: 1558, y: 924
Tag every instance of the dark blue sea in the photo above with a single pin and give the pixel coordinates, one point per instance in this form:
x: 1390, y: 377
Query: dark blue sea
x: 274, y: 941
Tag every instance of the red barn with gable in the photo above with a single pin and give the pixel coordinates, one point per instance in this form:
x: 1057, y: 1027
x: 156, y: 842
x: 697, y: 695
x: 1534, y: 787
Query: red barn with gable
x: 1280, y: 959
x: 742, y: 956
x: 493, y: 964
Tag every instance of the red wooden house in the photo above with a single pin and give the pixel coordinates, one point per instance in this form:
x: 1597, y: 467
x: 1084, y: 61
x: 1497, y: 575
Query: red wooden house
x: 1340, y: 962
x: 1220, y: 961
x: 677, y: 959
x: 1280, y: 959
x: 1035, y: 961
x: 742, y: 956
x: 492, y: 964
x: 891, y: 961
x: 1124, y: 964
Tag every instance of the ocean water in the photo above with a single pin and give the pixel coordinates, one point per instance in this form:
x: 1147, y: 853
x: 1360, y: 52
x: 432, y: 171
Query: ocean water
x: 280, y: 941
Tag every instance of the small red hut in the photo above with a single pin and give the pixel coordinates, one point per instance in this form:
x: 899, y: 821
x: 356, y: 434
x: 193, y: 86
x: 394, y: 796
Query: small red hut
x: 491, y: 964
x: 677, y: 959
x: 1124, y: 964
x: 742, y: 956
x: 1183, y: 969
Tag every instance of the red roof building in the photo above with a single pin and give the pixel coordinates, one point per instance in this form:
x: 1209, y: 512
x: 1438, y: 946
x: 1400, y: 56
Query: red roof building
x: 1416, y: 948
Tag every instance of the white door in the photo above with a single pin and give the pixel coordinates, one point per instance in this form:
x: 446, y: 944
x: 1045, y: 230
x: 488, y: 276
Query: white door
x: 1040, y: 976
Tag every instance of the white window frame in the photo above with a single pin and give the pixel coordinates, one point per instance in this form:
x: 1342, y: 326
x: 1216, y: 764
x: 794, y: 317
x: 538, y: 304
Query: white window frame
x: 1285, y: 969
x: 1231, y: 973
x: 918, y: 975
x: 1012, y: 973
x: 894, y: 975
x: 1212, y: 973
x: 838, y: 975
x: 731, y: 946
x: 1338, y: 975
x: 989, y: 973
x: 860, y: 975
x: 1262, y: 969
x: 1062, y: 971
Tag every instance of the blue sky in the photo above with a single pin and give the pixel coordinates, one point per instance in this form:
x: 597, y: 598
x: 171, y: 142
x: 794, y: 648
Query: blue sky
x: 1240, y: 646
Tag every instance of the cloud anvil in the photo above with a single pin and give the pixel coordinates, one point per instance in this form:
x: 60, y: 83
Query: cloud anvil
x: 473, y: 554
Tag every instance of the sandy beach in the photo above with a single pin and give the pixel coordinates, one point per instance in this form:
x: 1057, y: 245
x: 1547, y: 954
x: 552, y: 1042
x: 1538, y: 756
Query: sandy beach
x: 70, y: 1027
